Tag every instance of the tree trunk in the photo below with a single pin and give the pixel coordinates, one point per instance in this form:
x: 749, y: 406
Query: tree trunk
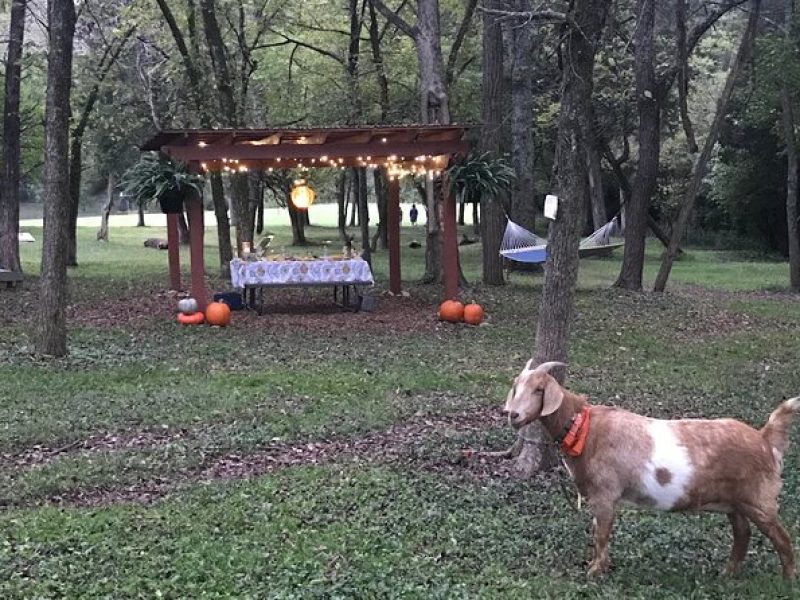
x: 75, y: 167
x: 140, y: 222
x: 245, y: 222
x: 104, y: 65
x: 595, y: 172
x: 240, y: 203
x: 51, y: 323
x: 352, y: 195
x: 341, y: 200
x: 683, y: 74
x: 9, y: 194
x: 102, y: 234
x: 381, y: 239
x: 790, y: 140
x: 363, y: 214
x: 791, y: 189
x: 523, y: 206
x: 561, y: 268
x: 183, y: 229
x: 377, y: 60
x: 298, y: 229
x: 645, y: 182
x: 493, y: 222
x: 434, y: 101
x: 198, y: 93
x: 223, y: 225
x: 434, y: 108
x: 701, y: 165
x: 433, y: 234
x: 260, y: 215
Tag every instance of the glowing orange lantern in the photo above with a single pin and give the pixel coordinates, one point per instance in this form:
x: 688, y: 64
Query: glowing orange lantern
x: 302, y: 194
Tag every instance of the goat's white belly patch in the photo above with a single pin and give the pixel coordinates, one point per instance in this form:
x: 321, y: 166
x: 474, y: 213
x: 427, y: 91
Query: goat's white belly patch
x: 669, y: 471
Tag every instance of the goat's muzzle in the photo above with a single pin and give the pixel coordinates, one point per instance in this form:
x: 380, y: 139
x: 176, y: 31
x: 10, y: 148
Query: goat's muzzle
x: 513, y: 418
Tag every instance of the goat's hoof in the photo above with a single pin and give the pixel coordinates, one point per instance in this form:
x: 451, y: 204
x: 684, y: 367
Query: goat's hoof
x: 597, y: 569
x: 731, y: 569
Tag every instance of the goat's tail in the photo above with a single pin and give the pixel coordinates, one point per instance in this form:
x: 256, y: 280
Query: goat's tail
x: 776, y: 431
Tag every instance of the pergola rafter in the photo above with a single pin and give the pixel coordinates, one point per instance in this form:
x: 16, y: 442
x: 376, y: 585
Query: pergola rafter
x: 399, y: 150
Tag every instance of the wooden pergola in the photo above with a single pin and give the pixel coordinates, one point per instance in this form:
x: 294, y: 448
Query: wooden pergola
x: 400, y: 151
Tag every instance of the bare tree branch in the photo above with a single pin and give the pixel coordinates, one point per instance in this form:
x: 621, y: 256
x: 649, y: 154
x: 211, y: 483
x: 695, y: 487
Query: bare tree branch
x: 466, y: 21
x: 683, y: 74
x: 395, y: 19
x: 317, y: 49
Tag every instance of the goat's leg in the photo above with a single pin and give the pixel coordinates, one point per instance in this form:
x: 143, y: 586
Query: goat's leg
x: 783, y: 544
x: 741, y: 538
x: 771, y: 527
x: 603, y: 522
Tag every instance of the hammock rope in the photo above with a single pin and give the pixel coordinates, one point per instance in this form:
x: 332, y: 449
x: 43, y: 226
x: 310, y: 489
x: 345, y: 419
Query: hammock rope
x: 521, y: 245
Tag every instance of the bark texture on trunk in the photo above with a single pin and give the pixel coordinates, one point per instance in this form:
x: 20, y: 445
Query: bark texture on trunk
x: 363, y: 213
x: 381, y: 239
x: 189, y: 61
x: 229, y: 113
x: 9, y: 194
x: 651, y: 94
x: 646, y: 179
x: 594, y: 170
x: 561, y: 268
x: 51, y: 321
x: 790, y: 141
x: 523, y: 205
x: 434, y: 106
x: 493, y: 222
x: 791, y: 190
x: 102, y: 233
x: 223, y: 225
x: 701, y: 165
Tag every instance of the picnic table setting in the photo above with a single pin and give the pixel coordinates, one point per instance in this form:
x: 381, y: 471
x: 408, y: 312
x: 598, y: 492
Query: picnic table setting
x: 254, y: 271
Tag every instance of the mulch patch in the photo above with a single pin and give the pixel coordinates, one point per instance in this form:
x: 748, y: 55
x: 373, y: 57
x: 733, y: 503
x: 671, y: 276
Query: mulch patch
x: 287, y: 309
x: 395, y: 446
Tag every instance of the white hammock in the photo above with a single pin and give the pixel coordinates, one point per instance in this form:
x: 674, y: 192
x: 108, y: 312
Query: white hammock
x: 521, y: 245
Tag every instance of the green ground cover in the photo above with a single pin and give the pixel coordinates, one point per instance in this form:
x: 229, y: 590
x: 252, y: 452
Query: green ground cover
x: 309, y: 453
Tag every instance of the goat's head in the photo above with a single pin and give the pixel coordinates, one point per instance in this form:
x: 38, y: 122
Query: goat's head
x: 534, y: 394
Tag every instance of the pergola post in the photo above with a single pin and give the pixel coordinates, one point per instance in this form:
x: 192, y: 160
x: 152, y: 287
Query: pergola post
x: 449, y: 242
x: 194, y: 212
x: 173, y: 252
x: 393, y: 231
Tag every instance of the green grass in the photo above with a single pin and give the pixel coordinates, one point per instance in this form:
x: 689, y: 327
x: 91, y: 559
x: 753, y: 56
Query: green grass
x: 177, y: 399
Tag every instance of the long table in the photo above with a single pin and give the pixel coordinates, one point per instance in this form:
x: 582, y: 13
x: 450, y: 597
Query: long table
x: 345, y: 276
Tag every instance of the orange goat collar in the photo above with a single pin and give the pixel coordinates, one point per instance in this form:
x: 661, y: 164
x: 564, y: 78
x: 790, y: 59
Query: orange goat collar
x: 574, y: 439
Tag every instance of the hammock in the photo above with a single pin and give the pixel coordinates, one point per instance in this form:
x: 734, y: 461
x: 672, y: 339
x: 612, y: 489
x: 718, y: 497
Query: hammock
x: 521, y: 245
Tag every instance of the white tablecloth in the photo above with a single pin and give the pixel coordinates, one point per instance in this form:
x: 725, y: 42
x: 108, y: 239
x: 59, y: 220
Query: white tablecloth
x: 322, y: 271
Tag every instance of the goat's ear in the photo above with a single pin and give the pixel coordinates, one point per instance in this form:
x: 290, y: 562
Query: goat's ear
x: 552, y: 398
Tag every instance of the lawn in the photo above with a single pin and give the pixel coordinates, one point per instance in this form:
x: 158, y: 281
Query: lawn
x: 315, y: 454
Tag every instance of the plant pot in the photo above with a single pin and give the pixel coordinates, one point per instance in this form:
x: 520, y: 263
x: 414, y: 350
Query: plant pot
x: 171, y: 202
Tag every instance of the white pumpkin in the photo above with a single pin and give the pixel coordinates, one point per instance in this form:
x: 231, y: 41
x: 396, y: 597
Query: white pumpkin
x: 187, y: 306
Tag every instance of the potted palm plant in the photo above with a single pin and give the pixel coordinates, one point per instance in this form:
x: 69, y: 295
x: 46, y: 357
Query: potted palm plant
x: 158, y: 177
x: 481, y: 174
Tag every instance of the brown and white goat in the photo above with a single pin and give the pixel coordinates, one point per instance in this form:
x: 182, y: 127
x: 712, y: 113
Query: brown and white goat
x: 717, y: 465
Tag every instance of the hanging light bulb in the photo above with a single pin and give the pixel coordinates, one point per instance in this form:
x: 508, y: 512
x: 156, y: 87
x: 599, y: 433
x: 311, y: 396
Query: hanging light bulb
x: 302, y: 194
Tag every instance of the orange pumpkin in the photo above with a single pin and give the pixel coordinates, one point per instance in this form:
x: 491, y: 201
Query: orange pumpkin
x: 194, y: 318
x: 473, y: 314
x: 218, y: 313
x: 451, y: 311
